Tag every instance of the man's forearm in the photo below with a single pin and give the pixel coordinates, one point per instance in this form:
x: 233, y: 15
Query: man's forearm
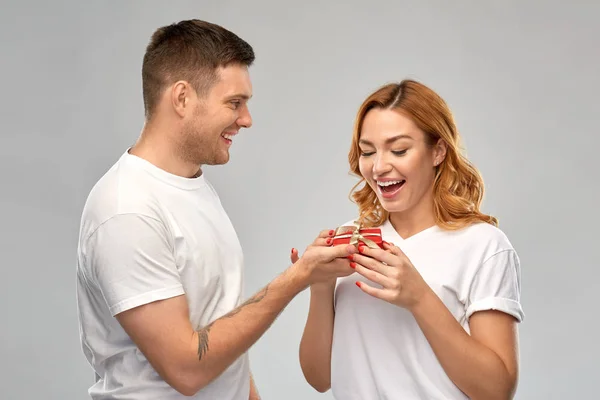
x: 219, y: 344
x: 474, y: 368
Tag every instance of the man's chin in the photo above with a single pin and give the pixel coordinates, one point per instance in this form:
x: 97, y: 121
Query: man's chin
x: 221, y: 159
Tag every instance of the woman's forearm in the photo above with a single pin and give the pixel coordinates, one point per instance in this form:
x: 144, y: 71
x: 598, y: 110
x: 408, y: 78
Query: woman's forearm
x: 315, y: 346
x: 477, y: 370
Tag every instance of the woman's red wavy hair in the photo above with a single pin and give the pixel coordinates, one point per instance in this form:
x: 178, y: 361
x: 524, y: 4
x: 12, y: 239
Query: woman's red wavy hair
x: 458, y: 186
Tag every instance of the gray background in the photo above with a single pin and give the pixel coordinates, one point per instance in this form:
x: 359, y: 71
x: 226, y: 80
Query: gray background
x: 521, y: 77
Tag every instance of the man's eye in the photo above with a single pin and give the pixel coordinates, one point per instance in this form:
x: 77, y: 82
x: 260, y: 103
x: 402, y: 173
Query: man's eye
x: 236, y: 103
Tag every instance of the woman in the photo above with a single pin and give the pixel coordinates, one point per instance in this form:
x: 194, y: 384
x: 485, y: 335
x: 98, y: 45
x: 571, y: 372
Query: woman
x: 434, y: 314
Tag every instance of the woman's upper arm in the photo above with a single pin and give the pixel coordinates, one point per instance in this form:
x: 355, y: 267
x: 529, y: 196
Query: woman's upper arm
x: 498, y: 331
x: 494, y: 308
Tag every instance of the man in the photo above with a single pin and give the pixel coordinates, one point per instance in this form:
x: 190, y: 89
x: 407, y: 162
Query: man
x: 159, y: 277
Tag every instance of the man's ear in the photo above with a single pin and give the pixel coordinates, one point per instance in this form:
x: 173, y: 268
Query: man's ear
x: 181, y: 97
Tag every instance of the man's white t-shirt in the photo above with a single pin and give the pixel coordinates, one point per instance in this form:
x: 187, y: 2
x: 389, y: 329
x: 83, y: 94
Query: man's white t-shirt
x: 148, y: 235
x: 380, y: 353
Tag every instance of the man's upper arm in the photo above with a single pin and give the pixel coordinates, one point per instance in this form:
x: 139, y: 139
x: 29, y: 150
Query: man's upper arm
x: 131, y: 261
x: 164, y: 334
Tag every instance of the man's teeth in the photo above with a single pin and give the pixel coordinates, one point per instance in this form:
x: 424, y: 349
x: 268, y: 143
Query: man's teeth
x: 389, y: 183
x: 226, y: 136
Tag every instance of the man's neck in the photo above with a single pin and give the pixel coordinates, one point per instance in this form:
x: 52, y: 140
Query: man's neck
x: 156, y: 146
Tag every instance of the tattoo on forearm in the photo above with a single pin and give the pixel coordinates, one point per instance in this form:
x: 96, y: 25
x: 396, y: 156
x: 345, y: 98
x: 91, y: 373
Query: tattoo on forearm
x: 203, y: 341
x: 252, y: 300
x: 203, y: 333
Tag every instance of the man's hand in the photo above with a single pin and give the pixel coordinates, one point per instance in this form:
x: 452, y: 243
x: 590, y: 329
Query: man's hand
x: 322, y: 262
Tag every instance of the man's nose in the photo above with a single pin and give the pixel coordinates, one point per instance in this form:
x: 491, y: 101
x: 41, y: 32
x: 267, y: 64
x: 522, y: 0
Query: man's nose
x: 245, y: 119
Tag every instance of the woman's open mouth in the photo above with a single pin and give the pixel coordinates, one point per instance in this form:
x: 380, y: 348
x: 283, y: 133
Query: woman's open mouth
x: 389, y: 189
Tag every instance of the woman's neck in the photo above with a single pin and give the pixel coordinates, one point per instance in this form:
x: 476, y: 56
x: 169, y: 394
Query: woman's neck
x: 412, y: 221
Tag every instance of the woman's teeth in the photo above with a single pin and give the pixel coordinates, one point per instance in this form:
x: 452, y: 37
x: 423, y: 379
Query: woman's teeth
x: 389, y: 183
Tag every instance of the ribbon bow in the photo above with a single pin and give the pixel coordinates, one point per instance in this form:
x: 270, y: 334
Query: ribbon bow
x: 356, y: 235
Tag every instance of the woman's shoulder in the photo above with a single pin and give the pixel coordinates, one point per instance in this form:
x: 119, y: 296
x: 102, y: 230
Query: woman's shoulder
x: 484, y: 234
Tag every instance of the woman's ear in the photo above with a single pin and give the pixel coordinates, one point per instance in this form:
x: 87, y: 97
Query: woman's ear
x: 439, y: 152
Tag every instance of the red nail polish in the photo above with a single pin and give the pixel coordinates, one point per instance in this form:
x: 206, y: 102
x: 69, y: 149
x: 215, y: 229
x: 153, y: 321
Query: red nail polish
x: 329, y: 240
x: 331, y: 232
x: 293, y: 249
x: 352, y: 264
x: 350, y: 257
x: 361, y: 248
x: 358, y: 284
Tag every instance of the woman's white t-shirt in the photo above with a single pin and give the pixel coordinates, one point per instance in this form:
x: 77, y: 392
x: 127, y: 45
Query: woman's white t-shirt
x: 380, y: 353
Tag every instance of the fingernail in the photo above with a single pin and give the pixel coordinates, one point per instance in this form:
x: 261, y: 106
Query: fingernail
x: 358, y: 284
x: 350, y: 257
x: 331, y: 232
x: 293, y: 250
x: 361, y: 248
x: 329, y: 240
x: 384, y: 242
x: 352, y: 264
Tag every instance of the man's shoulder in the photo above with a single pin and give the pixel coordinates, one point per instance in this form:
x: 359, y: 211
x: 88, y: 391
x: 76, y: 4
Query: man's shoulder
x: 121, y: 190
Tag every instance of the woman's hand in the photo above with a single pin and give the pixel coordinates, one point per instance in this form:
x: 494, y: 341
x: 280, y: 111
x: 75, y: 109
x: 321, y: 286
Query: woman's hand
x: 402, y: 285
x: 294, y: 256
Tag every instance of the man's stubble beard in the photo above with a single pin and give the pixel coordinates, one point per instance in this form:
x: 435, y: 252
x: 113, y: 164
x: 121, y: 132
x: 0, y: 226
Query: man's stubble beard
x: 197, y: 146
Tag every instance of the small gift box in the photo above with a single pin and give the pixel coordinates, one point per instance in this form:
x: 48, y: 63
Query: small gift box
x: 355, y: 235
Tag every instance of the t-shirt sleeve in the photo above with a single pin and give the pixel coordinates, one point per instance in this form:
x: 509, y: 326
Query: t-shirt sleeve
x: 131, y: 260
x: 497, y: 286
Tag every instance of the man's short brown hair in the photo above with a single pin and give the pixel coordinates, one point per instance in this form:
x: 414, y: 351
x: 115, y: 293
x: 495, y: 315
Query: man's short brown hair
x: 189, y: 50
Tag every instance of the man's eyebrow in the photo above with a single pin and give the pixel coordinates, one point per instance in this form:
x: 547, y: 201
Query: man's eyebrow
x: 243, y: 96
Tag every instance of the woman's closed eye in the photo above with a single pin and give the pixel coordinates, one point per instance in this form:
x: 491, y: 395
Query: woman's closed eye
x: 364, y: 153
